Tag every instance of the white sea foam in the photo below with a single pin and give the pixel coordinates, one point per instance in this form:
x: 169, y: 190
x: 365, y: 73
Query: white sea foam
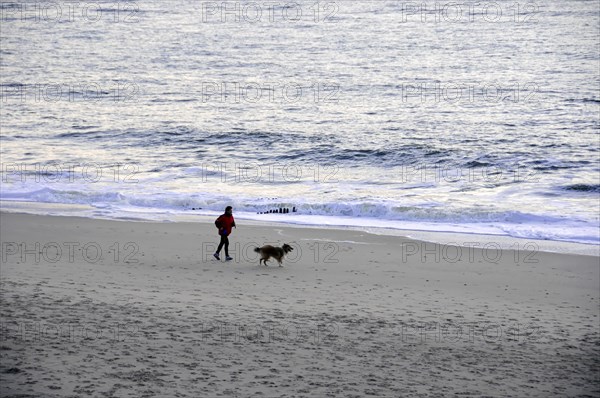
x: 429, y: 216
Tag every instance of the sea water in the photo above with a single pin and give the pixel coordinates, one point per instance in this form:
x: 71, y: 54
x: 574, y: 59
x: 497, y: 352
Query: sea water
x: 478, y: 117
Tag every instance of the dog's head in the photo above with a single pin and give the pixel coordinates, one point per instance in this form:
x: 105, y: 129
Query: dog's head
x: 287, y: 248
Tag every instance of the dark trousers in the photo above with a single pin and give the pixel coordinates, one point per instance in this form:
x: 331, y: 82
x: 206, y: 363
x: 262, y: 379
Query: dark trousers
x: 224, y: 242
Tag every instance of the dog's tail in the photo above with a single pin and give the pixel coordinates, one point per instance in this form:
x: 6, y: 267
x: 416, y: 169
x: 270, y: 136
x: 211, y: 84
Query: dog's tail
x: 257, y: 249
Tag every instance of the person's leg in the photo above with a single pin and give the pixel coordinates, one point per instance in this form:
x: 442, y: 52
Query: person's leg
x: 224, y: 241
x: 226, y: 246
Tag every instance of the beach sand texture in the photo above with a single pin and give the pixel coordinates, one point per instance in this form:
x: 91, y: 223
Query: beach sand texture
x: 141, y: 309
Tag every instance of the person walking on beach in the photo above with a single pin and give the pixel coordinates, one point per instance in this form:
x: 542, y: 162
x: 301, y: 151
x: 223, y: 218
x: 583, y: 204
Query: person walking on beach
x: 224, y: 223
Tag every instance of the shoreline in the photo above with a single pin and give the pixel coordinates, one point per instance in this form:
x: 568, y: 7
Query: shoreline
x: 463, y: 239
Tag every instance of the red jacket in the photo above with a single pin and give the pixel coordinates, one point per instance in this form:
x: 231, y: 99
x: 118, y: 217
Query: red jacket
x: 225, y: 223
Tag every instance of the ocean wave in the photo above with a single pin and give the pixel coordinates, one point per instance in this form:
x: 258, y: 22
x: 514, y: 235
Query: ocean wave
x: 440, y: 216
x: 595, y: 188
x: 238, y: 144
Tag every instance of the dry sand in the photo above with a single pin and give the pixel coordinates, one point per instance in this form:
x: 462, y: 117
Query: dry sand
x: 349, y: 314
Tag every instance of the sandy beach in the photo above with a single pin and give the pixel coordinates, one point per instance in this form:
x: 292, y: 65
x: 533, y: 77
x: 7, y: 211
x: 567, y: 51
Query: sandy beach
x: 433, y: 165
x: 141, y: 309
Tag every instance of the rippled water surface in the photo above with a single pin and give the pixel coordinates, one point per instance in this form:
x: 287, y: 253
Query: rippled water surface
x: 483, y: 119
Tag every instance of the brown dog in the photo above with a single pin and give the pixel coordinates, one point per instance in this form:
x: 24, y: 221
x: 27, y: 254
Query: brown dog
x: 268, y: 251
